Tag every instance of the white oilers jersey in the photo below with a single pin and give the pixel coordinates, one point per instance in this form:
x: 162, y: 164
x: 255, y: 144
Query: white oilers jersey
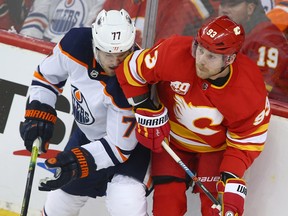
x: 51, y: 19
x: 99, y: 106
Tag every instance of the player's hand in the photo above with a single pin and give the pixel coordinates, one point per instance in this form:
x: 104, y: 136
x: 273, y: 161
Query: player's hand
x: 40, y: 120
x: 232, y: 195
x: 70, y: 165
x: 152, y: 127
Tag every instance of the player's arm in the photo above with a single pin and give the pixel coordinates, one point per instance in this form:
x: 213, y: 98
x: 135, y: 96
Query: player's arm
x: 135, y: 75
x: 242, y: 149
x: 37, y: 20
x: 40, y: 116
x: 112, y: 149
x: 139, y: 70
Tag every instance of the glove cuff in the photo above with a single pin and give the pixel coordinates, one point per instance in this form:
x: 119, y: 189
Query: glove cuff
x: 236, y: 186
x: 227, y: 175
x: 85, y: 161
x: 152, y: 118
x: 40, y: 111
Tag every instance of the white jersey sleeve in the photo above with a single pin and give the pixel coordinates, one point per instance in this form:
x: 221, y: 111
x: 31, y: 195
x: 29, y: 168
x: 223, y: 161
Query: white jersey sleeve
x: 50, y: 77
x: 52, y: 19
x: 37, y: 19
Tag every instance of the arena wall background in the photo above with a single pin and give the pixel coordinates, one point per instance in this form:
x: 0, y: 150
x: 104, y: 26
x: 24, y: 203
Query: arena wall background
x: 19, y: 56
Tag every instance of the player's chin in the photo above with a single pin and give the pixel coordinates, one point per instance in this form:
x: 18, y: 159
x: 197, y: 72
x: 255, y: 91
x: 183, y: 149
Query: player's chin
x: 111, y: 72
x: 201, y: 74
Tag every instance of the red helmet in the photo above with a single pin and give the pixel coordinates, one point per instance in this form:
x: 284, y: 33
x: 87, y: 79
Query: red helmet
x: 221, y: 35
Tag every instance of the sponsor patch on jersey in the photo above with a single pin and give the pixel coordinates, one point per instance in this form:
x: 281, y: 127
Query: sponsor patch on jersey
x: 179, y: 87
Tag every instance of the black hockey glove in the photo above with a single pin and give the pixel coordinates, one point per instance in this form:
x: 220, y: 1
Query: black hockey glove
x: 70, y: 165
x: 40, y: 120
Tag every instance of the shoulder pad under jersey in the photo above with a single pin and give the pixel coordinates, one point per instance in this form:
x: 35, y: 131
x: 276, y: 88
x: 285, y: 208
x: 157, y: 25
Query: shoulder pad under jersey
x: 78, y: 44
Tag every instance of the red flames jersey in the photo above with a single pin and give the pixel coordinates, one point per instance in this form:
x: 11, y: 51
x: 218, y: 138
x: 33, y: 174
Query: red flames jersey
x: 203, y: 117
x: 267, y: 46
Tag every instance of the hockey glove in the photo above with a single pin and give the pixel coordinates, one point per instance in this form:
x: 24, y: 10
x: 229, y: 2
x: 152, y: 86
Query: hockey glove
x: 152, y: 127
x: 40, y: 120
x: 232, y: 195
x: 70, y: 165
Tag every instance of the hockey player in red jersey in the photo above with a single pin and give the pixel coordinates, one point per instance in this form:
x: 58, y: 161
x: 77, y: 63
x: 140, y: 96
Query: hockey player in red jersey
x: 218, y: 111
x: 99, y: 147
x: 265, y: 44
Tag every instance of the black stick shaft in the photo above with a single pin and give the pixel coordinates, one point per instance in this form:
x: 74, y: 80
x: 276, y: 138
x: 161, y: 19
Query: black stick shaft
x: 30, y: 177
x: 190, y: 173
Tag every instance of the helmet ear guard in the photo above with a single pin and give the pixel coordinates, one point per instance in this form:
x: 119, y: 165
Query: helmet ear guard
x: 113, y: 31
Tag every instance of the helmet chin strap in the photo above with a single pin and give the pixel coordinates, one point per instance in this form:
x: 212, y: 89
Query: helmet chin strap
x: 95, y: 51
x: 222, y: 69
x: 226, y: 60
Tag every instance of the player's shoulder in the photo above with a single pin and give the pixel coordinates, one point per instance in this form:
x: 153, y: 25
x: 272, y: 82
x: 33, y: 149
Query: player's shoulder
x: 244, y: 63
x: 247, y: 70
x: 77, y: 42
x: 174, y: 45
x: 177, y: 48
x: 77, y: 37
x: 178, y: 40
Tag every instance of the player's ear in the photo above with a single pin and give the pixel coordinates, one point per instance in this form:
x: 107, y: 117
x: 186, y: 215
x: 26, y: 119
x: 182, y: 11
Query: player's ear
x: 230, y: 59
x: 251, y: 8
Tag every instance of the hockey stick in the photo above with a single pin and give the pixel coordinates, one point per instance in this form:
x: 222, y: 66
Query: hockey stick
x: 190, y: 173
x: 29, y: 181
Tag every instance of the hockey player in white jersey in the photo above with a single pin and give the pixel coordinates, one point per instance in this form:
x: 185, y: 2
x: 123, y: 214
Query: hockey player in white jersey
x: 52, y: 19
x: 104, y: 138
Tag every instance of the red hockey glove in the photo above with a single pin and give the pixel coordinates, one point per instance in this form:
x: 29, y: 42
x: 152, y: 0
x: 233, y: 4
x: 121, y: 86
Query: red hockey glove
x: 73, y: 164
x: 232, y: 194
x: 152, y: 127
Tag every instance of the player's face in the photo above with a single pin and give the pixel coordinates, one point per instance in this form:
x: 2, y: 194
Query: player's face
x: 110, y: 61
x: 208, y: 64
x: 240, y: 12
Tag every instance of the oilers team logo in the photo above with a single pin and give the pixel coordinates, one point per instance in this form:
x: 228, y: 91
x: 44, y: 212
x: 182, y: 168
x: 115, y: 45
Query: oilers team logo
x: 68, y: 14
x: 81, y: 110
x: 69, y: 3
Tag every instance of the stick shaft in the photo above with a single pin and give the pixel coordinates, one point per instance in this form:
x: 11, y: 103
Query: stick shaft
x: 189, y: 172
x: 30, y: 177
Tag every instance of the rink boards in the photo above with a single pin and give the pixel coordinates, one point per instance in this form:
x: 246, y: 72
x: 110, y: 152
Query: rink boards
x: 266, y: 179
